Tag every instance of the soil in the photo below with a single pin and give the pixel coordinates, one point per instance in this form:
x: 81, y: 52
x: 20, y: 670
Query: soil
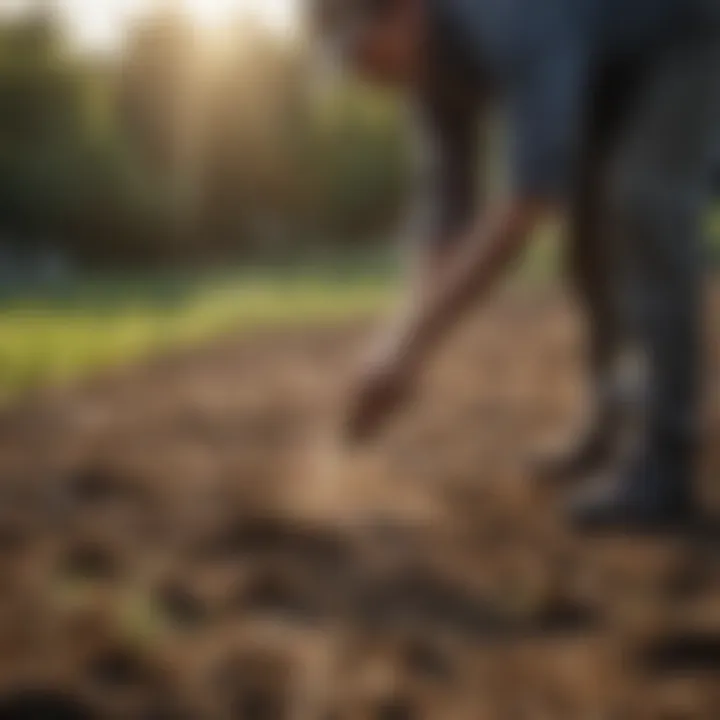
x: 186, y: 540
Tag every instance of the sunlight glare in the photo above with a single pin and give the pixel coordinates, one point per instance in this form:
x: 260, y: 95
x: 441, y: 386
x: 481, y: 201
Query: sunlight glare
x: 99, y: 23
x: 213, y: 14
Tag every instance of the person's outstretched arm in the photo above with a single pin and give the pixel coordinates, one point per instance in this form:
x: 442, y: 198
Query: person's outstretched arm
x: 545, y: 110
x: 487, y: 252
x: 484, y: 256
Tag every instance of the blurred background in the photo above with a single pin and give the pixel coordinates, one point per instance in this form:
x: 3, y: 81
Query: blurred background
x: 162, y: 149
x: 194, y: 226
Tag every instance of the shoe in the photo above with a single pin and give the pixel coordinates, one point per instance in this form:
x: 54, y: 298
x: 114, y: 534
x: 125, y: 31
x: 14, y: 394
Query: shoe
x: 651, y: 494
x: 608, y: 428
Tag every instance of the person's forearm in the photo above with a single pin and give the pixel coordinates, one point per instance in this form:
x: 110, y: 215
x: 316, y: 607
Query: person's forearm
x: 482, y: 257
x: 429, y: 254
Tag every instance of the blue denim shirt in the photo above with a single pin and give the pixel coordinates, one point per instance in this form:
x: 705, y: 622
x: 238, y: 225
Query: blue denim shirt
x: 541, y: 55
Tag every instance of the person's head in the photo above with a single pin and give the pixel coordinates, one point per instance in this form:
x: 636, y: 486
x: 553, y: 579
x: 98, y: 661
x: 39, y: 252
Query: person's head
x: 381, y: 40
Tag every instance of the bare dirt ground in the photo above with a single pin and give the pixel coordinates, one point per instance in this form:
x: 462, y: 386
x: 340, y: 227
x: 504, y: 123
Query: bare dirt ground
x: 182, y: 541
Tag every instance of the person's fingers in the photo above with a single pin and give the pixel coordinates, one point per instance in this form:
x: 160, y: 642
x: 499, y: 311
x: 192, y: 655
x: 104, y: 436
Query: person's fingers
x: 363, y: 419
x: 372, y: 409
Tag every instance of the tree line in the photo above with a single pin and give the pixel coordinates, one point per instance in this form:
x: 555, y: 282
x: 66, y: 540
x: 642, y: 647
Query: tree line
x: 180, y: 149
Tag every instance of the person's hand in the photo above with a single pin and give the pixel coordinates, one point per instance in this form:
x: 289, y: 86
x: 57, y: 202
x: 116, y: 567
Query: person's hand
x: 384, y: 385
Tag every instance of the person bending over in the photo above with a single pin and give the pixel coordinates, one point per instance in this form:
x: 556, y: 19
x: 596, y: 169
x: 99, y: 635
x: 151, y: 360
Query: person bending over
x: 612, y: 108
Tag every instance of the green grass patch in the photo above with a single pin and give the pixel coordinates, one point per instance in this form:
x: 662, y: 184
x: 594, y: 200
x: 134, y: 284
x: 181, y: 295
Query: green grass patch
x: 52, y: 337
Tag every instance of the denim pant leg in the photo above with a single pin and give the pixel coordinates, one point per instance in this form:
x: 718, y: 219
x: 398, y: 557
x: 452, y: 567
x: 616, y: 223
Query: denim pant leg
x: 659, y: 188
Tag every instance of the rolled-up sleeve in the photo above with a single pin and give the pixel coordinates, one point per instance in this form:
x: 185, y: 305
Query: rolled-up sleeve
x: 546, y: 107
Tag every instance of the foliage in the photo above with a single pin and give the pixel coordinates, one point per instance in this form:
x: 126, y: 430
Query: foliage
x: 174, y: 150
